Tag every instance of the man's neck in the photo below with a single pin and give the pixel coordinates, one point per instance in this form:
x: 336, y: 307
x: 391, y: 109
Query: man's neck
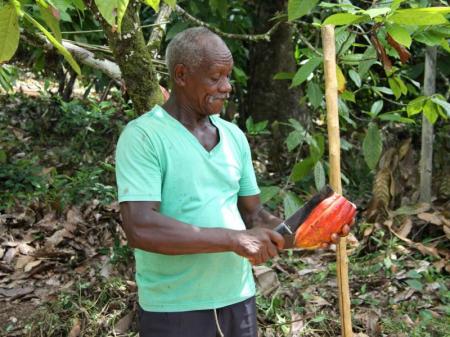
x: 186, y: 114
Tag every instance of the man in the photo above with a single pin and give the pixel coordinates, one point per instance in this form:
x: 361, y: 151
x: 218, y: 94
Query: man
x: 190, y: 202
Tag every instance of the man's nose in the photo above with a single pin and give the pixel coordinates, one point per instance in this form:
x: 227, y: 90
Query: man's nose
x: 225, y: 86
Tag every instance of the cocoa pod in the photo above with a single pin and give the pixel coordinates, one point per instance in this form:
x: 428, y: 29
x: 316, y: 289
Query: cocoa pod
x: 327, y: 218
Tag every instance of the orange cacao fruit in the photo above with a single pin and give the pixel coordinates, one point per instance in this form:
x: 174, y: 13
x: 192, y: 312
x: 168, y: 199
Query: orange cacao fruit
x: 327, y: 218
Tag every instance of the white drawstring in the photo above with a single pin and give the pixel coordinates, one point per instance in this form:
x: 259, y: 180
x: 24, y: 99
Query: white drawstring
x: 217, y: 324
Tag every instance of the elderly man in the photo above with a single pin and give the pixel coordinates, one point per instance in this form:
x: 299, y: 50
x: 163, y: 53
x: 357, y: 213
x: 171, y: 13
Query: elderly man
x: 190, y: 202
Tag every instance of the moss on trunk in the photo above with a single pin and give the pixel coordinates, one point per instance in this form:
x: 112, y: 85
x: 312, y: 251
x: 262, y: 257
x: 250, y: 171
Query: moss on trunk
x: 134, y: 59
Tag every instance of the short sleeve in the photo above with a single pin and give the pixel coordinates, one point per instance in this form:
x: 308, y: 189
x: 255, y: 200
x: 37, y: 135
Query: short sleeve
x: 138, y: 169
x: 247, y: 183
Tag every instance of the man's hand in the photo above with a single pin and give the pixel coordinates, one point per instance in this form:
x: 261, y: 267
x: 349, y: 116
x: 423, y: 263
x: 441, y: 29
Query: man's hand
x: 257, y: 244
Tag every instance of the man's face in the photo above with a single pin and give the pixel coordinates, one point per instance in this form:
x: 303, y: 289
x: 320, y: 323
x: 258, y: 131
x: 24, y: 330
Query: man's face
x: 208, y: 85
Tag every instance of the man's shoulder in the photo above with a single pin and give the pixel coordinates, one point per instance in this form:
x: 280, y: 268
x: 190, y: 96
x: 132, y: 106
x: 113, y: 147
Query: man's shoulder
x: 150, y: 123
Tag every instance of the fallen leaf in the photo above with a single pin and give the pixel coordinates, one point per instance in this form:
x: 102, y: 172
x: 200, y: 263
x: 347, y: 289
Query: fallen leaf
x: 431, y: 218
x: 405, y: 227
x: 31, y: 265
x: 9, y: 255
x: 2, y: 252
x: 25, y: 249
x: 22, y: 261
x: 123, y: 325
x: 16, y: 292
x: 76, y: 329
x: 297, y: 325
x: 266, y: 279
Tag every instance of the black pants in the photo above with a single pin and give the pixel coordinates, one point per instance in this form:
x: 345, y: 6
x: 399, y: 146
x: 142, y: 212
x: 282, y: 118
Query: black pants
x: 236, y: 320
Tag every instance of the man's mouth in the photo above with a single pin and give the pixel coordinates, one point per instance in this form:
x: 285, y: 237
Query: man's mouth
x: 211, y: 99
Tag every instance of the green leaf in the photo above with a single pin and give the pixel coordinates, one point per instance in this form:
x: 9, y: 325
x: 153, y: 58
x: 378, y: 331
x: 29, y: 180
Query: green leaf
x: 376, y: 108
x: 443, y: 104
x: 413, y: 274
x: 355, y: 77
x: 284, y: 76
x: 302, y: 169
x: 113, y: 11
x: 240, y: 76
x: 417, y: 17
x: 340, y: 19
x: 430, y: 38
x: 317, y: 147
x: 372, y: 146
x: 348, y: 96
x: 415, y: 284
x: 395, y: 117
x: 171, y: 3
x: 315, y: 94
x: 296, y: 125
x: 415, y: 106
x: 305, y: 70
x: 400, y: 34
x: 294, y: 139
x: 374, y: 12
x: 153, y: 4
x: 51, y: 21
x: 298, y: 8
x: 396, y: 4
x: 291, y: 204
x: 68, y: 56
x: 9, y: 32
x: 268, y: 192
x: 368, y: 60
x: 344, y: 40
x: 220, y: 7
x: 319, y: 175
x: 395, y: 87
x: 430, y: 111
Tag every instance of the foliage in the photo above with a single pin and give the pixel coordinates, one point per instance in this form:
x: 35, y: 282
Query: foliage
x: 57, y: 153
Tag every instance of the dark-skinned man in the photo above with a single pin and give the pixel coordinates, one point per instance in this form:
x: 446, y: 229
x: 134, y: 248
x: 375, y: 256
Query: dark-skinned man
x: 190, y: 202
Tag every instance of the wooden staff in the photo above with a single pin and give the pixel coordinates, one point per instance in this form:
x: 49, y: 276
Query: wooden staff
x: 331, y: 97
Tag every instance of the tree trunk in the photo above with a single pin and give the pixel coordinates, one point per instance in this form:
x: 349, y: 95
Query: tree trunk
x: 133, y: 58
x: 426, y: 154
x: 268, y: 98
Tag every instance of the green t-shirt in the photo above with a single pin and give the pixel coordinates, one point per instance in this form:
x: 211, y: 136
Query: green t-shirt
x: 158, y: 159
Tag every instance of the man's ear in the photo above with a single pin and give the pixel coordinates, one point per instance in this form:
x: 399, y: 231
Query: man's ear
x: 180, y: 73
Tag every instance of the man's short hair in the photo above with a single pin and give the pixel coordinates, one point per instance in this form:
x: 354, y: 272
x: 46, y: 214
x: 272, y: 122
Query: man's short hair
x: 187, y: 47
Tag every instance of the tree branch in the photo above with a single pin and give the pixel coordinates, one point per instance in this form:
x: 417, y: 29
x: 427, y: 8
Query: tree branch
x: 248, y: 37
x: 154, y: 42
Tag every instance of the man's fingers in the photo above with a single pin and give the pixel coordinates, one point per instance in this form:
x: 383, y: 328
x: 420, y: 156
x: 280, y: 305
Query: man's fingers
x: 334, y: 238
x: 277, y: 239
x: 345, y: 230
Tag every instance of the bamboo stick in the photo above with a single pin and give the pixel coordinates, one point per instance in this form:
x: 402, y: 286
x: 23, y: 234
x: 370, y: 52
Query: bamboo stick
x: 331, y: 97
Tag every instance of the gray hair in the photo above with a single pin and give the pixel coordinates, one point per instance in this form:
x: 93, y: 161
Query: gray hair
x: 187, y: 48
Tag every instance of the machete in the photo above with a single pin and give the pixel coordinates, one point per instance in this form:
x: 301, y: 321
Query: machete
x: 291, y: 224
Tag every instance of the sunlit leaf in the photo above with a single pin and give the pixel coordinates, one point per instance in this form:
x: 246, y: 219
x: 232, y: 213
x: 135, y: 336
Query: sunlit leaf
x: 9, y: 32
x: 153, y: 4
x: 341, y: 81
x: 400, y: 34
x: 419, y: 17
x: 113, y: 11
x: 340, y: 19
x: 415, y: 106
x: 430, y: 111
